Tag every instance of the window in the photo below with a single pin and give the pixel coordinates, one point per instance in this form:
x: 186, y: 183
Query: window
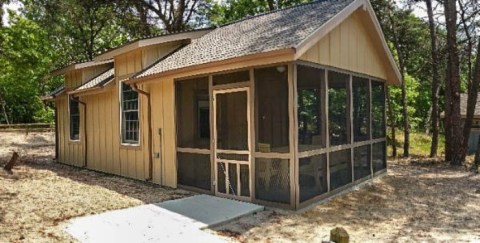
x: 74, y: 119
x: 378, y: 109
x: 310, y: 90
x: 130, y: 117
x: 338, y: 108
x: 361, y: 106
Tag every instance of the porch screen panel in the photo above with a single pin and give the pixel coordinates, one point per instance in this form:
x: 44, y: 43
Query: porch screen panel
x: 379, y: 156
x: 361, y: 109
x: 340, y: 169
x: 193, y: 113
x: 313, y: 176
x: 272, y: 180
x: 311, y: 128
x: 194, y: 170
x: 193, y: 131
x: 378, y: 109
x: 271, y: 110
x: 338, y: 112
x: 361, y: 162
x: 231, y: 124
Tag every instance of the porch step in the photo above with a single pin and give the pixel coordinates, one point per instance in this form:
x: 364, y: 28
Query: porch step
x: 210, y: 211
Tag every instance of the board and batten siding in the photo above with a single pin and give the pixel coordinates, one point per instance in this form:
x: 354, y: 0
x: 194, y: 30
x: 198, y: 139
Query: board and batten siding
x: 351, y: 46
x: 70, y: 152
x: 106, y: 152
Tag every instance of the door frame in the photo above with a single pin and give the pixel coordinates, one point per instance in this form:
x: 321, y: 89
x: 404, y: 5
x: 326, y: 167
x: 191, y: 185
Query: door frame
x: 248, y: 152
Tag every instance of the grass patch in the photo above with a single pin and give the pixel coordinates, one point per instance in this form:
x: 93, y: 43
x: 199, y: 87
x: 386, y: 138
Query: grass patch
x: 420, y: 143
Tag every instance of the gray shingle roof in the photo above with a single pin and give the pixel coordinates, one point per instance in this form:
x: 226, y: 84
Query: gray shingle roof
x: 276, y: 30
x: 98, y: 81
x: 57, y: 91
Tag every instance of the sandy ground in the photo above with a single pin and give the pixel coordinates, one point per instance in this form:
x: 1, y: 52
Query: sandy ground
x: 424, y: 201
x: 416, y: 202
x: 41, y: 196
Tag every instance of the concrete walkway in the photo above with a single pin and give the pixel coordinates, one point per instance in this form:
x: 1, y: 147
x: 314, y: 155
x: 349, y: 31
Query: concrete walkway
x: 179, y: 220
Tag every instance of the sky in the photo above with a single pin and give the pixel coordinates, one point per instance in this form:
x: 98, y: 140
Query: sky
x: 13, y: 6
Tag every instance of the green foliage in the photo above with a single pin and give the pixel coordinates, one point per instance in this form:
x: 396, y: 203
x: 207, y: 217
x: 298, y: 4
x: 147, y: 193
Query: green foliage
x: 232, y: 10
x: 419, y: 144
x: 26, y: 58
x: 413, y: 100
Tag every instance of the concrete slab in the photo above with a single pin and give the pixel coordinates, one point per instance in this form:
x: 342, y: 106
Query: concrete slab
x: 172, y: 221
x: 209, y: 210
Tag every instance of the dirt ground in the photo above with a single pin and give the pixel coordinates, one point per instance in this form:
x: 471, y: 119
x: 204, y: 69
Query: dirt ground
x: 418, y: 200
x: 41, y: 196
x: 424, y: 201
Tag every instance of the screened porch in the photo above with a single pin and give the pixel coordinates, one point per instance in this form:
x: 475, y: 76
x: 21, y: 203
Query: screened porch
x: 284, y: 135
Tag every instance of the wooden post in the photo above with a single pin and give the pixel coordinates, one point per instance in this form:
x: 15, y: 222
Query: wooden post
x: 339, y: 235
x: 11, y: 163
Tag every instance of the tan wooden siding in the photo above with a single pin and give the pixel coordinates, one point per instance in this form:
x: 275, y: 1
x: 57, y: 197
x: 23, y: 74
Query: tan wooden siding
x: 351, y: 46
x: 105, y: 151
x: 70, y: 152
x: 163, y: 116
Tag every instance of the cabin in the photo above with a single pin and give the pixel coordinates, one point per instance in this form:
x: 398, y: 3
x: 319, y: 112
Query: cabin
x: 284, y: 109
x: 475, y: 130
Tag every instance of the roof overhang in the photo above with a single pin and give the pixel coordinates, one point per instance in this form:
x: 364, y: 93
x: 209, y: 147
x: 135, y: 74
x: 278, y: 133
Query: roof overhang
x: 286, y: 54
x: 78, y: 66
x: 152, y: 41
x: 325, y: 29
x: 93, y: 90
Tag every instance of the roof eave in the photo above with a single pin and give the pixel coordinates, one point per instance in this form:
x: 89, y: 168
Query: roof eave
x: 210, y: 64
x: 77, y: 66
x: 152, y: 41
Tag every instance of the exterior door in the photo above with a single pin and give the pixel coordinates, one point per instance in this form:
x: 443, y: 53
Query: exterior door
x: 232, y: 148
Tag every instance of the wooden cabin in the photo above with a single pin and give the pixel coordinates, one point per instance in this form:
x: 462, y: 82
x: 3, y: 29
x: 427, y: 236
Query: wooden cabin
x: 285, y: 108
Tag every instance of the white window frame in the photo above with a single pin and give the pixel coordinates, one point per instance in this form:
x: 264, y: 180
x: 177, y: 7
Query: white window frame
x: 123, y: 140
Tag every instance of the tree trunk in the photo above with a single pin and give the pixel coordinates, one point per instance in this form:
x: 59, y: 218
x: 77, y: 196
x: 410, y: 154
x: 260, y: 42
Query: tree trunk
x: 453, y: 85
x: 11, y: 163
x: 406, y: 128
x: 435, y: 80
x: 471, y: 103
x: 391, y: 123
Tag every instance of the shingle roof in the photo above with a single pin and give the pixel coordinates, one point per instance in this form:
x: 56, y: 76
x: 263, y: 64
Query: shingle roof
x: 463, y: 105
x: 272, y: 31
x: 98, y: 81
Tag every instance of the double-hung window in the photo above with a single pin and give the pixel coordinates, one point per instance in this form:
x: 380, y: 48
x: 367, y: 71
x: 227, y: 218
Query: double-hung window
x: 74, y: 119
x: 130, y: 115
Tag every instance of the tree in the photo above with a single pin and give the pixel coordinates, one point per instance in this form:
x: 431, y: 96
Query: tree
x: 82, y: 29
x: 26, y: 58
x: 435, y: 79
x: 174, y: 15
x: 453, y: 126
x: 232, y: 10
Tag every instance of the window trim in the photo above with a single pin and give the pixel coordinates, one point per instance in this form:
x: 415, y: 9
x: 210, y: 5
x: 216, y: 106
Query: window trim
x: 124, y: 143
x: 70, y: 139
